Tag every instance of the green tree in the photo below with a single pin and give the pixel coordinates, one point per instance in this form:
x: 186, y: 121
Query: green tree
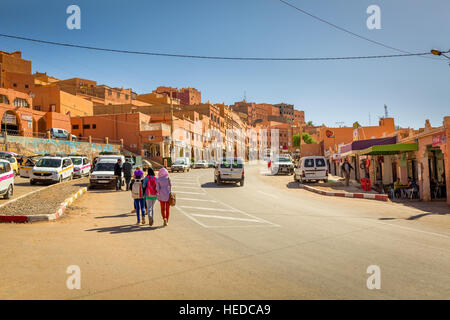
x: 308, y: 139
x: 310, y: 124
x: 296, y: 140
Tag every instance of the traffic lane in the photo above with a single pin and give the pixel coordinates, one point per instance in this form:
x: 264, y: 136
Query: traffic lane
x: 21, y: 186
x: 334, y: 242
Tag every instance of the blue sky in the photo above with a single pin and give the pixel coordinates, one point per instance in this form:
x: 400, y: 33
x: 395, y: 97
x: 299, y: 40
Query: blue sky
x: 413, y: 88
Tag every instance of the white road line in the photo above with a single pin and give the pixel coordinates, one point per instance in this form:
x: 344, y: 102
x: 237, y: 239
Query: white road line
x: 191, y: 217
x: 225, y: 218
x: 208, y: 209
x: 192, y: 199
x: 268, y: 194
x: 413, y: 230
x: 187, y: 192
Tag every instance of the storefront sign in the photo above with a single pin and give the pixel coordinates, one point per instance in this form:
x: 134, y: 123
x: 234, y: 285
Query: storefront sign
x: 9, y: 118
x: 439, y: 139
x: 27, y: 117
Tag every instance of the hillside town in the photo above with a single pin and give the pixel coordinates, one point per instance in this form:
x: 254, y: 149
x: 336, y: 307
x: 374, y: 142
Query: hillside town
x: 167, y: 123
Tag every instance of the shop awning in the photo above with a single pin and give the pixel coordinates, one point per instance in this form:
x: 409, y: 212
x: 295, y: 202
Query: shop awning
x: 388, y: 149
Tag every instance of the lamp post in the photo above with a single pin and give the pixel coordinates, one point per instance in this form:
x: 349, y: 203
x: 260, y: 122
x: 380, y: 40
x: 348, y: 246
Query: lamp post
x: 440, y: 53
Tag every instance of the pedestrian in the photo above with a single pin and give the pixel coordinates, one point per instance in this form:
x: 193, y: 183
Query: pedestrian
x: 163, y: 188
x: 127, y: 168
x: 346, y: 169
x: 150, y: 193
x: 137, y: 192
x: 118, y: 174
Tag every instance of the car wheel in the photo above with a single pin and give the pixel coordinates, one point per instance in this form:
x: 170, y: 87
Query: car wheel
x: 60, y: 179
x: 325, y: 180
x: 9, y: 193
x: 32, y: 182
x: 241, y: 183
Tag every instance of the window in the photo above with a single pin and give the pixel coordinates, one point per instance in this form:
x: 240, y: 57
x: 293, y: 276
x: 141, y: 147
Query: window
x: 26, y: 86
x: 320, y: 162
x: 38, y: 108
x: 126, y: 96
x: 309, y: 163
x: 109, y: 93
x: 118, y: 95
x: 14, y: 84
x: 19, y: 102
x: 53, y: 107
x: 94, y: 126
x: 4, y: 99
x: 75, y: 126
x: 86, y: 126
x: 2, y: 167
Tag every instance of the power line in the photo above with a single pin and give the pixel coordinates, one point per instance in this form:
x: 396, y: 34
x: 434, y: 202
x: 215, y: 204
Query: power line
x: 408, y: 54
x: 348, y: 31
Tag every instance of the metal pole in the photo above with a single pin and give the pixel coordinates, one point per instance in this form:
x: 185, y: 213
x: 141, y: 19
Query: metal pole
x: 171, y: 125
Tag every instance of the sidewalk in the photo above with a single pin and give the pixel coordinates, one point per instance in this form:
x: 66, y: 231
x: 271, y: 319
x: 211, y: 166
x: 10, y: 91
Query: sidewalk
x: 336, y: 187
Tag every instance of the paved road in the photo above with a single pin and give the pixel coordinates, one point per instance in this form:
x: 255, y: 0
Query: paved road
x: 266, y: 240
x: 21, y: 187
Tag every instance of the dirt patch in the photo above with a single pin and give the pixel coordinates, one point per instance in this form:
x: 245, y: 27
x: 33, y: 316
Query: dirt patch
x: 45, y: 201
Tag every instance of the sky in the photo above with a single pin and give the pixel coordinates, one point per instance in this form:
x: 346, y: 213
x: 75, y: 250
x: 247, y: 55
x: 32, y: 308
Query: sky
x: 413, y: 88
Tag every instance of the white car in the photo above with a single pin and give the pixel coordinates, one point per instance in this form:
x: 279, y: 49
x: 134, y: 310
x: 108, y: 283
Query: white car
x: 282, y: 164
x: 81, y: 166
x: 230, y: 170
x: 6, y: 179
x: 103, y: 174
x: 52, y: 169
x: 201, y: 164
x: 181, y: 164
x: 311, y: 168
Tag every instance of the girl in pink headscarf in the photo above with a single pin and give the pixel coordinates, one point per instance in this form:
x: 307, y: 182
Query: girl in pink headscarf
x: 163, y: 188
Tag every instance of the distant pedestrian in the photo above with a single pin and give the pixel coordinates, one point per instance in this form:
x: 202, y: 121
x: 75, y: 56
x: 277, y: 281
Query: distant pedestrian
x: 150, y: 193
x: 163, y: 188
x: 118, y: 174
x: 127, y: 168
x: 137, y: 192
x: 346, y: 169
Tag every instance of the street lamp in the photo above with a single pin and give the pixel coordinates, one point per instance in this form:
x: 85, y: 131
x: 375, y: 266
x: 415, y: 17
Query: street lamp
x: 440, y: 53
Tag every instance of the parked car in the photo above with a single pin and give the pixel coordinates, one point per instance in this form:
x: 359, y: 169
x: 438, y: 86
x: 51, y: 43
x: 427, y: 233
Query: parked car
x: 312, y: 168
x: 181, y: 165
x: 282, y: 164
x: 27, y: 166
x: 57, y: 133
x: 201, y: 164
x: 11, y: 158
x: 103, y: 174
x: 81, y: 166
x: 52, y: 169
x: 212, y: 164
x: 230, y: 170
x: 6, y: 179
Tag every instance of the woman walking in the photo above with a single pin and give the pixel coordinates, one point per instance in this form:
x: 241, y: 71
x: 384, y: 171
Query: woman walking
x: 137, y: 192
x: 150, y: 193
x: 163, y: 188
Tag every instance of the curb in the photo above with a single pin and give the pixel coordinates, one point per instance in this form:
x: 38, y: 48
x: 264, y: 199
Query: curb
x: 372, y: 196
x: 45, y: 217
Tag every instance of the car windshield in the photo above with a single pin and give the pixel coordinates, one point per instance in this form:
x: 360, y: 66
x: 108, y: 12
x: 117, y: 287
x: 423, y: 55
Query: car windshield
x: 179, y: 162
x: 104, y: 166
x: 77, y: 161
x: 10, y: 159
x: 49, y: 163
x: 227, y: 164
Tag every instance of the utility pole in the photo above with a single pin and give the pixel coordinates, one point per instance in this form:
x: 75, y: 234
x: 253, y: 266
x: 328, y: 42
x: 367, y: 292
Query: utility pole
x: 385, y: 111
x: 171, y: 125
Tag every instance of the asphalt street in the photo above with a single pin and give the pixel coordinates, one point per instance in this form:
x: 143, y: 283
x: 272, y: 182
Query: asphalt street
x: 269, y: 239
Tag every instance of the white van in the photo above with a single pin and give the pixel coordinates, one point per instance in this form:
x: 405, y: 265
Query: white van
x: 103, y: 174
x: 311, y: 168
x: 52, y: 169
x: 81, y: 166
x: 230, y: 170
x: 6, y: 179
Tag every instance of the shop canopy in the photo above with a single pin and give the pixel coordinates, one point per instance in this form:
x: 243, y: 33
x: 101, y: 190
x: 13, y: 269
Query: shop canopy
x: 388, y: 149
x: 354, y: 147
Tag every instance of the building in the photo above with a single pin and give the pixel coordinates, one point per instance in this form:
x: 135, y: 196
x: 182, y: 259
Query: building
x: 186, y: 96
x: 286, y: 111
x: 15, y: 72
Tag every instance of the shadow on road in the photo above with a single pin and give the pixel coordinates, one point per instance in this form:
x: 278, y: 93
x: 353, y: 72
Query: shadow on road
x: 439, y: 208
x: 123, y: 215
x: 213, y: 185
x: 293, y: 185
x: 126, y: 228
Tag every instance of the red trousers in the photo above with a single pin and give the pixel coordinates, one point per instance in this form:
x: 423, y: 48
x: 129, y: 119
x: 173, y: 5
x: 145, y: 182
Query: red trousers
x: 165, y: 209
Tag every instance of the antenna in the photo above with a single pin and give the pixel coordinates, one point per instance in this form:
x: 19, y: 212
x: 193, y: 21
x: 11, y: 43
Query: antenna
x: 385, y: 111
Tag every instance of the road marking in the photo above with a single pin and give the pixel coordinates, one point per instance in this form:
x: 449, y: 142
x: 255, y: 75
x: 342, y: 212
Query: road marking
x: 208, y: 209
x: 187, y: 192
x: 414, y: 230
x: 191, y: 217
x: 268, y: 194
x: 192, y: 199
x: 226, y: 218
